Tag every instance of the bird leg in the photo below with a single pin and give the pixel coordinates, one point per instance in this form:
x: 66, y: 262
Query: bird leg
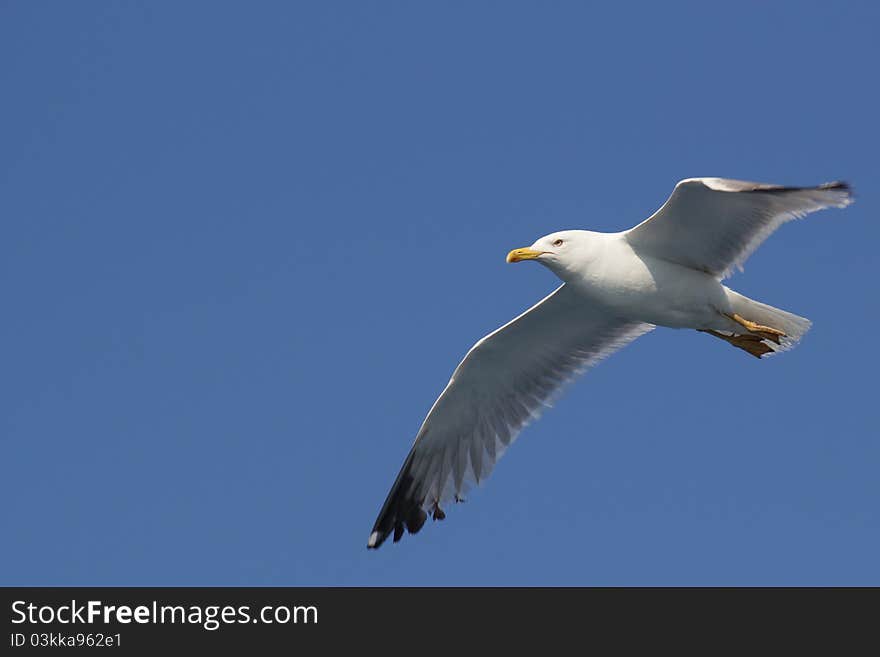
x: 437, y: 513
x: 754, y: 344
x: 766, y: 332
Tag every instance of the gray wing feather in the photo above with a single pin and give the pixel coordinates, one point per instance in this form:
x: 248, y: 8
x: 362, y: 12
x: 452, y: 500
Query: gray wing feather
x: 714, y: 224
x: 504, y: 382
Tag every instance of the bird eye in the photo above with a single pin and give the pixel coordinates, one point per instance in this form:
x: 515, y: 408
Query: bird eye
x: 557, y: 243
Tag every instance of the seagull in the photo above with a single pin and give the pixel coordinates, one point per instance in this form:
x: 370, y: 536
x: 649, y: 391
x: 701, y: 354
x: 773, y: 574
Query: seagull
x: 666, y: 271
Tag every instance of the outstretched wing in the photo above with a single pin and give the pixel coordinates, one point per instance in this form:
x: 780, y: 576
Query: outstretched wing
x: 714, y: 224
x: 502, y: 383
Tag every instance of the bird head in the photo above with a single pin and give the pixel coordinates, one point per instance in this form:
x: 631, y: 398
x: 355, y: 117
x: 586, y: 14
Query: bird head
x: 559, y: 251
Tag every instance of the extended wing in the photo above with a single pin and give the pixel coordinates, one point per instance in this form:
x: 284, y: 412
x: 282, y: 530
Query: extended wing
x: 502, y: 383
x: 714, y: 224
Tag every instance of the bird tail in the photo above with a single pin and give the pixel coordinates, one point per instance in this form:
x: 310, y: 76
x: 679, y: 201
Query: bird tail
x: 792, y: 325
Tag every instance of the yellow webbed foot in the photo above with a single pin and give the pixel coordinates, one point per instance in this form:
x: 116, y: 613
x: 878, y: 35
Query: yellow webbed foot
x: 753, y: 344
x: 765, y: 332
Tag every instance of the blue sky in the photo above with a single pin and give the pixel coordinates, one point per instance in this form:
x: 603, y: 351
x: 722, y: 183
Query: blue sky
x: 245, y: 244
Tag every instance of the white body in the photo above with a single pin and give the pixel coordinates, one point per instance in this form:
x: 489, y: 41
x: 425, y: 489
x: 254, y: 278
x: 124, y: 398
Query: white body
x: 643, y: 288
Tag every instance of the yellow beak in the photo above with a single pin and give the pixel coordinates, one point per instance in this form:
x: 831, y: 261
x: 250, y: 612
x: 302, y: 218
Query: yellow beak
x: 523, y: 254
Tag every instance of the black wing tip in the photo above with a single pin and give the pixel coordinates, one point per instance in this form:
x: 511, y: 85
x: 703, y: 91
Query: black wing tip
x: 404, y: 509
x: 735, y: 185
x: 840, y: 186
x: 833, y: 186
x: 837, y: 184
x: 412, y: 523
x: 375, y: 541
x: 401, y: 512
x: 843, y: 191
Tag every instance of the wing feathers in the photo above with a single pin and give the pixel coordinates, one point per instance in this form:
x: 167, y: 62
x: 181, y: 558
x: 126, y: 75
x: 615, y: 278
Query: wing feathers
x: 715, y: 224
x: 504, y: 382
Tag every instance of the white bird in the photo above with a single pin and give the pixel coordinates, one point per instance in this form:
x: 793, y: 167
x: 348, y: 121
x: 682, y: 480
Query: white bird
x: 666, y: 271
